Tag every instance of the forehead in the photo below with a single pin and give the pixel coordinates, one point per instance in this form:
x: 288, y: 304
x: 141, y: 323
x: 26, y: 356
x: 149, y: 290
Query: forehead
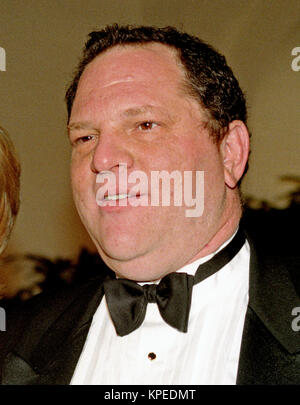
x: 151, y: 62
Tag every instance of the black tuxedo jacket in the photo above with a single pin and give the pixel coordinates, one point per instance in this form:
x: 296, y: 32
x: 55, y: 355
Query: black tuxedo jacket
x: 43, y: 342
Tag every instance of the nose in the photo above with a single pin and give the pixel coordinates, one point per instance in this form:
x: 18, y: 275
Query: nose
x: 109, y: 153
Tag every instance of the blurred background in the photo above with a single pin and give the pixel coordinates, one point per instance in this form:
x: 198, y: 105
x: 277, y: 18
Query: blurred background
x: 43, y: 40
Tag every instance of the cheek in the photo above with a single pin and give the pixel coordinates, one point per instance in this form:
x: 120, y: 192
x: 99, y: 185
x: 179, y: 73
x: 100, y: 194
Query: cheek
x: 214, y: 188
x: 215, y: 167
x: 207, y: 158
x: 75, y: 181
x: 79, y: 169
x: 80, y: 180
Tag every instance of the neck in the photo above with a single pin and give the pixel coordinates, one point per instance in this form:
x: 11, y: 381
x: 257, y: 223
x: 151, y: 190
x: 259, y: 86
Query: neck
x: 226, y: 229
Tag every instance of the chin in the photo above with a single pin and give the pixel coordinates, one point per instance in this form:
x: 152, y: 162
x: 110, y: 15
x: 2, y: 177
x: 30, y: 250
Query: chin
x: 113, y: 253
x: 136, y: 274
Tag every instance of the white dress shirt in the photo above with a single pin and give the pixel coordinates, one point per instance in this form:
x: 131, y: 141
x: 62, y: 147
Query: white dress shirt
x: 157, y: 354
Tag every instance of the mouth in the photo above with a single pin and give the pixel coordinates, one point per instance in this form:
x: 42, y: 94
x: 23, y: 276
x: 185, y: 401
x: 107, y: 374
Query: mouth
x: 116, y: 197
x: 120, y: 196
x: 122, y: 200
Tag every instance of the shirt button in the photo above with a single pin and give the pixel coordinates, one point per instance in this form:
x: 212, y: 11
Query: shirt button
x: 151, y: 356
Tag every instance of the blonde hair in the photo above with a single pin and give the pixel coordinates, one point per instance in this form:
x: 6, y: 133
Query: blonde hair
x: 9, y: 187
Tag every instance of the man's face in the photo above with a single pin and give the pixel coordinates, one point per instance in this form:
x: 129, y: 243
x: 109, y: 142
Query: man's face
x: 131, y: 109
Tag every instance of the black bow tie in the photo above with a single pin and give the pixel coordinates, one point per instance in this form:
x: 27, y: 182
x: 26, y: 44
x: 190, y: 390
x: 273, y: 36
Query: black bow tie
x: 127, y: 301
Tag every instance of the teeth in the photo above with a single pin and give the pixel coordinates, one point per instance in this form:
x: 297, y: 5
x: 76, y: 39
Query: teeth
x: 115, y: 197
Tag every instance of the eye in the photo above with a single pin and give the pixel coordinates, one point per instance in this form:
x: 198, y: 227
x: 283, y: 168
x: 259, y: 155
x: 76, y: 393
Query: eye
x: 147, y: 125
x: 83, y: 139
x: 86, y: 138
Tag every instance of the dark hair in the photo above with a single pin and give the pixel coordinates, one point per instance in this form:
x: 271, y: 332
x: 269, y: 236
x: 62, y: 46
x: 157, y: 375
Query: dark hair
x: 209, y: 79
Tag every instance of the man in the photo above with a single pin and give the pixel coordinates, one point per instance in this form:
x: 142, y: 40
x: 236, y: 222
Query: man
x: 146, y: 101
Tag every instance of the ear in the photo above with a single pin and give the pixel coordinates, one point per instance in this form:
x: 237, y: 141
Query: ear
x: 235, y: 151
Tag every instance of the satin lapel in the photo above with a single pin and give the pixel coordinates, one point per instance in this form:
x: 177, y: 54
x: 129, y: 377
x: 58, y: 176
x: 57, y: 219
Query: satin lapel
x: 61, y: 367
x: 269, y: 344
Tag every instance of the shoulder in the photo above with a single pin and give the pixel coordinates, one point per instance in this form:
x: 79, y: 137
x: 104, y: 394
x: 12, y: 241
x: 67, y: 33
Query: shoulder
x: 274, y: 244
x: 274, y: 286
x: 28, y: 321
x: 273, y: 237
x: 275, y: 230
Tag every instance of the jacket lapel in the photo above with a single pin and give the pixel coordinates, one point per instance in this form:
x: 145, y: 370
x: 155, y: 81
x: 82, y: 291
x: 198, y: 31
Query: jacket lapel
x: 269, y: 344
x: 61, y: 364
x: 49, y: 350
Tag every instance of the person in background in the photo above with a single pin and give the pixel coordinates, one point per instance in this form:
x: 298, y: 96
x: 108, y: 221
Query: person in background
x: 9, y: 187
x: 10, y: 280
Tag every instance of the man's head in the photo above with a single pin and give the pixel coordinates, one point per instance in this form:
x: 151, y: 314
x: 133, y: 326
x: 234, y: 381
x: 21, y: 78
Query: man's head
x: 155, y: 100
x: 208, y: 78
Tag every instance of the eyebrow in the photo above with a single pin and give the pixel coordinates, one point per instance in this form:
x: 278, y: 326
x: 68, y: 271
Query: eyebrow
x: 144, y: 109
x: 130, y: 112
x: 81, y: 125
x: 139, y: 110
